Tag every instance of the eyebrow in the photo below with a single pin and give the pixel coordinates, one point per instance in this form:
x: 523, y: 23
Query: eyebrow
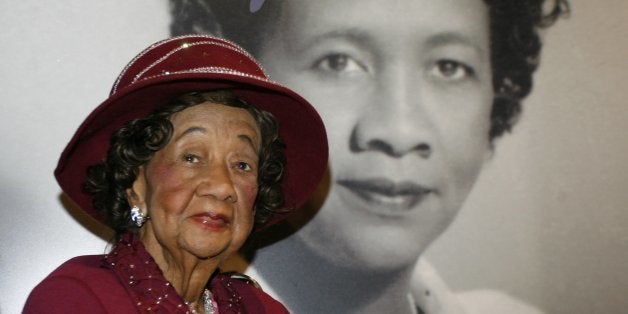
x: 194, y: 129
x: 454, y: 38
x: 247, y: 139
x: 354, y: 35
x: 202, y: 130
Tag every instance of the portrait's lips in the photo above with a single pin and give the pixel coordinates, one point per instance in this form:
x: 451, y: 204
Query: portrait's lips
x: 384, y: 193
x: 212, y: 221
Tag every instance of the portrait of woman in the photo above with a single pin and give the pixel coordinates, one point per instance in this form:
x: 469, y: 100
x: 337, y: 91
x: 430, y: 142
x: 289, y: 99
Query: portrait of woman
x: 193, y: 150
x: 414, y: 95
x: 542, y: 229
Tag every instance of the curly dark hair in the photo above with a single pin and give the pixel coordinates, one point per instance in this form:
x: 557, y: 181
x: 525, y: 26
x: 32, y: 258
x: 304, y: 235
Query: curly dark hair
x: 515, y: 53
x: 135, y: 143
x: 514, y: 27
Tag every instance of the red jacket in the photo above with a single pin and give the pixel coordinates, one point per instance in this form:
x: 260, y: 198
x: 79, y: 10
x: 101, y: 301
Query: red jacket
x: 128, y: 280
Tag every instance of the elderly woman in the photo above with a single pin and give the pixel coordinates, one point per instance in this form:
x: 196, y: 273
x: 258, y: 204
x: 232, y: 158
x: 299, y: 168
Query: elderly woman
x: 183, y: 161
x: 413, y: 94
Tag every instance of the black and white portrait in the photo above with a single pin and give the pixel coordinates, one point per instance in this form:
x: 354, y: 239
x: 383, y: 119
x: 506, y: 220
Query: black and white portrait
x: 478, y: 162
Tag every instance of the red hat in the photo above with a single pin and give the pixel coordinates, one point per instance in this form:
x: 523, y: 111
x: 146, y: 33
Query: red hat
x: 179, y: 65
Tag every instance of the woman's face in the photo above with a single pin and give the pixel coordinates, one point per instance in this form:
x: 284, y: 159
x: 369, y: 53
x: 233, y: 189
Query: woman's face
x: 200, y: 189
x: 405, y: 91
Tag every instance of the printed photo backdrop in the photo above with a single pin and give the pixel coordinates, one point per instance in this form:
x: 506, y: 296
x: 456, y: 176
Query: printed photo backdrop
x: 546, y: 222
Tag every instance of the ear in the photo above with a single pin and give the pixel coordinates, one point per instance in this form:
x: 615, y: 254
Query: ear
x: 136, y: 194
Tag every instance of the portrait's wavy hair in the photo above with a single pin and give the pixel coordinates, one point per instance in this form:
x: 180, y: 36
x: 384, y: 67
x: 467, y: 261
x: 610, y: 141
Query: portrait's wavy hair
x: 514, y: 26
x: 134, y: 145
x: 515, y: 53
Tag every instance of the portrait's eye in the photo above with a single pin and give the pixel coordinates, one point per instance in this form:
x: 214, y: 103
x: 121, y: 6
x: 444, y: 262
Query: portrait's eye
x: 451, y: 70
x: 338, y: 62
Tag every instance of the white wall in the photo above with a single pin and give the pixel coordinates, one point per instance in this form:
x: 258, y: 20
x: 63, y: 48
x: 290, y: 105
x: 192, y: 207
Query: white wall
x: 547, y: 221
x: 57, y: 62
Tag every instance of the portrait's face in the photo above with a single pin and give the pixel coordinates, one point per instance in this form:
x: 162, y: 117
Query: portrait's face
x: 200, y: 188
x: 405, y: 91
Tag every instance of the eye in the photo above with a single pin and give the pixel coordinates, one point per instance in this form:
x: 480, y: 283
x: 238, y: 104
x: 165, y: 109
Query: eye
x: 451, y: 70
x: 339, y: 63
x: 190, y: 158
x: 244, y: 166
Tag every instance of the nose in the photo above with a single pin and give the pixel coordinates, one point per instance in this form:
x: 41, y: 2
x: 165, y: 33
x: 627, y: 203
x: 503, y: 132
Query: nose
x: 396, y: 121
x: 396, y: 147
x: 216, y: 182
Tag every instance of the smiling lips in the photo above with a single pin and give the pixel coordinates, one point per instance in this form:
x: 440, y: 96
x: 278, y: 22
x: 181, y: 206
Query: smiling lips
x: 212, y: 221
x: 388, y: 194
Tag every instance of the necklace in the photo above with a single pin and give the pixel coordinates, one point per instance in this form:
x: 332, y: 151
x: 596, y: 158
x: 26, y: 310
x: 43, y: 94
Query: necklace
x: 209, y: 305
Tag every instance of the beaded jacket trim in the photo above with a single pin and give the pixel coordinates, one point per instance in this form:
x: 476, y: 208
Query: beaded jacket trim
x: 149, y: 289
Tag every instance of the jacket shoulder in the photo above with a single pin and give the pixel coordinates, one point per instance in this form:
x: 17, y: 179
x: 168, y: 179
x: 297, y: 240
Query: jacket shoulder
x: 79, y: 285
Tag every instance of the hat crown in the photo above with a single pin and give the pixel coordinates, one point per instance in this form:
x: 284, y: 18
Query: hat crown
x: 188, y: 54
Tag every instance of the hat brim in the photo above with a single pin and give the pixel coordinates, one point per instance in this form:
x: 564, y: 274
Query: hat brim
x: 300, y: 127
